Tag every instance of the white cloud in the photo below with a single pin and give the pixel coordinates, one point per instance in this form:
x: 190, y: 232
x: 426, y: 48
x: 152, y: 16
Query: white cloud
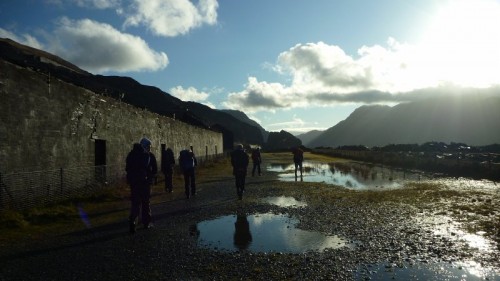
x: 172, y: 17
x: 459, y: 52
x: 295, y: 126
x: 260, y: 96
x: 189, y: 94
x: 209, y: 104
x: 98, y: 47
x: 98, y: 4
x: 24, y: 39
x: 295, y: 122
x: 323, y: 75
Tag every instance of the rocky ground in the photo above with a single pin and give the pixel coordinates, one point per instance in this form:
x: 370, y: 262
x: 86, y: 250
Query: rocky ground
x: 418, y: 226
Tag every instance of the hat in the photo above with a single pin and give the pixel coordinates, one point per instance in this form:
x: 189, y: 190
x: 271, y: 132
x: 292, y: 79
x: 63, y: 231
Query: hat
x: 145, y: 142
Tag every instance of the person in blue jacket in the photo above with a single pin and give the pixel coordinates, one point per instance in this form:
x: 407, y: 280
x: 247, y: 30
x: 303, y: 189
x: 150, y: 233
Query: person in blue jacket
x: 187, y: 163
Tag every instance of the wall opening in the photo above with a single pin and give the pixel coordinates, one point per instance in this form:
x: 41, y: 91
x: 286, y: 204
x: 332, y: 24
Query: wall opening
x: 100, y: 160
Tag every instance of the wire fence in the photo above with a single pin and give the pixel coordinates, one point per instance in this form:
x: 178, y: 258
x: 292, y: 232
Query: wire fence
x: 23, y: 190
x: 28, y: 189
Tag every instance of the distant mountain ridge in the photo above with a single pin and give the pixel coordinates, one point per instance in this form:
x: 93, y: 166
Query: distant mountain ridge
x: 306, y: 138
x: 132, y: 92
x: 244, y: 118
x: 243, y: 132
x: 474, y: 120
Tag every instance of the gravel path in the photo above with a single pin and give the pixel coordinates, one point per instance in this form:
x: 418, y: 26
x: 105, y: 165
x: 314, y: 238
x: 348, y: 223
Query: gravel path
x: 388, y: 234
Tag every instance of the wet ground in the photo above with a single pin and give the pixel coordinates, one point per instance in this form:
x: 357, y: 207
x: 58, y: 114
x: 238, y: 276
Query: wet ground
x: 283, y: 229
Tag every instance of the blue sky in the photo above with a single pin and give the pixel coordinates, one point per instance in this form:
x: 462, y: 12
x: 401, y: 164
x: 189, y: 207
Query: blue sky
x: 290, y: 65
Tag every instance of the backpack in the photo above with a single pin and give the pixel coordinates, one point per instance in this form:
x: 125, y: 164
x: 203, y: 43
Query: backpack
x: 298, y: 155
x: 186, y: 160
x: 255, y: 155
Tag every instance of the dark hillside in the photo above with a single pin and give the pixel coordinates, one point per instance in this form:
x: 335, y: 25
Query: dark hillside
x: 454, y: 118
x: 242, y: 131
x: 243, y: 117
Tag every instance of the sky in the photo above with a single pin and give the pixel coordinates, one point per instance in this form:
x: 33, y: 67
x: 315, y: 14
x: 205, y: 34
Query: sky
x: 296, y: 65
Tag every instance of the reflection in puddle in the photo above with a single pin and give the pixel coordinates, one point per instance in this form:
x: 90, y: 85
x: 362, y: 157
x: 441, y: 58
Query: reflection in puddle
x: 421, y: 271
x: 263, y: 233
x: 358, y: 175
x: 348, y: 174
x: 283, y: 201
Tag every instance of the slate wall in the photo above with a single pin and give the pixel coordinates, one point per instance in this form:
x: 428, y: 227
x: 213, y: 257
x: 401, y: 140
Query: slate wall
x: 46, y: 123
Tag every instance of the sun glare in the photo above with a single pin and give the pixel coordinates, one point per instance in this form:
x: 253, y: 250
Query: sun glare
x: 462, y: 44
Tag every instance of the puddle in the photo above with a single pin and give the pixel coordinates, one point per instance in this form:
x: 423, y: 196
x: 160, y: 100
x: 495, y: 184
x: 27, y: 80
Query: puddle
x: 447, y: 228
x: 263, y: 233
x: 358, y: 175
x: 352, y: 175
x: 432, y: 271
x: 283, y: 201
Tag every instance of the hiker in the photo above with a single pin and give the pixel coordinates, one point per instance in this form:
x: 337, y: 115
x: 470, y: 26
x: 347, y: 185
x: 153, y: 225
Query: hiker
x: 298, y: 157
x: 239, y: 161
x: 141, y: 170
x: 187, y: 162
x: 167, y: 168
x: 256, y: 159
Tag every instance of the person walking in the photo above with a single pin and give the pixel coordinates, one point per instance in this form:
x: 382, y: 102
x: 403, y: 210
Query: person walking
x: 256, y: 159
x: 188, y: 162
x: 141, y: 168
x: 298, y: 158
x: 167, y: 168
x: 239, y: 161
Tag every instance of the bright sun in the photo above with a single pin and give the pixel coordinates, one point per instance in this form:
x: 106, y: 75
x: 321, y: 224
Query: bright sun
x: 462, y: 43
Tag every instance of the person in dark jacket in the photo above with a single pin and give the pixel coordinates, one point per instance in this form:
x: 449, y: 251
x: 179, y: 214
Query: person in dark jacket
x: 167, y: 168
x: 187, y: 163
x: 141, y: 170
x: 298, y: 158
x: 239, y: 161
x: 256, y: 159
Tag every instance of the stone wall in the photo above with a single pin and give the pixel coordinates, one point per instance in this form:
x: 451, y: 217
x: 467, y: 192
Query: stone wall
x: 46, y: 123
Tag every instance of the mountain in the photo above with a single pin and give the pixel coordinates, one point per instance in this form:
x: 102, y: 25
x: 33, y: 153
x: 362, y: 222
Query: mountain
x: 306, y: 138
x: 244, y: 118
x: 130, y: 91
x: 473, y: 120
x: 243, y: 132
x: 282, y: 140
